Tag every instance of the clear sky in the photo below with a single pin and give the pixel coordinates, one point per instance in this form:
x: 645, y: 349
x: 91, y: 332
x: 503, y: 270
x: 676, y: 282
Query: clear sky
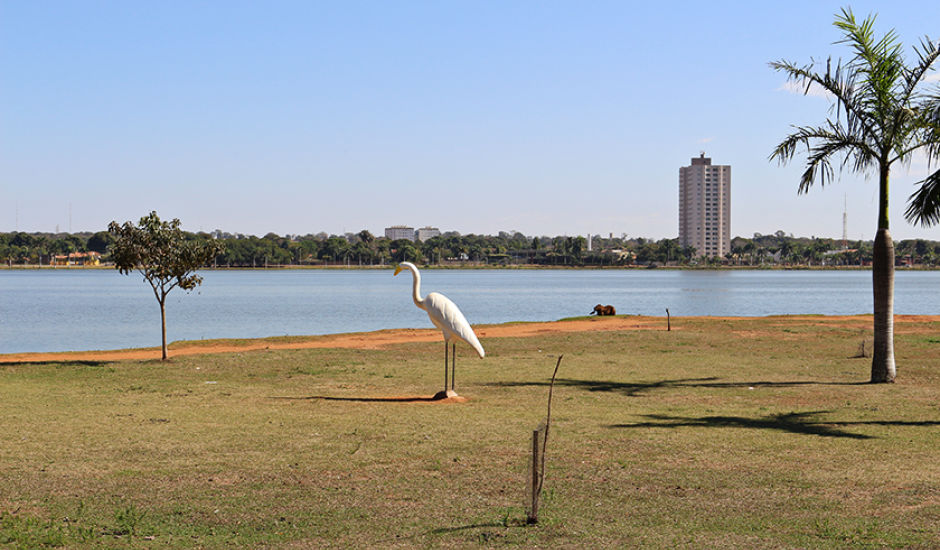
x: 548, y: 118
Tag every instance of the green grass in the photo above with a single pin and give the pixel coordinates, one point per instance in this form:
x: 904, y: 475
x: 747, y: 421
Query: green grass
x: 720, y: 434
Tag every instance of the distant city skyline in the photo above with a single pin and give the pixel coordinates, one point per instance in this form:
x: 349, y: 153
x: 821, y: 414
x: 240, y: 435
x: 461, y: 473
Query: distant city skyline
x: 219, y: 232
x: 297, y: 117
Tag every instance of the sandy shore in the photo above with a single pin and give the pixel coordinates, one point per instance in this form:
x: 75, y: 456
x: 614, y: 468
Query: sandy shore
x: 384, y: 338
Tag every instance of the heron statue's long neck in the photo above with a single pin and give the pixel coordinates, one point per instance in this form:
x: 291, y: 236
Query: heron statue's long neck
x: 416, y: 287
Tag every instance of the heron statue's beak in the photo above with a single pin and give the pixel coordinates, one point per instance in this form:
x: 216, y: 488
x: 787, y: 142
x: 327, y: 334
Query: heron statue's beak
x: 398, y: 270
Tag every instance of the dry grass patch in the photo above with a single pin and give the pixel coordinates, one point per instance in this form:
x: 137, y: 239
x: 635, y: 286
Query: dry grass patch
x: 692, y: 438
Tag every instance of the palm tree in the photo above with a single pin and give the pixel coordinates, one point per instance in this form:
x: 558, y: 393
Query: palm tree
x: 786, y: 251
x: 882, y: 115
x: 749, y: 251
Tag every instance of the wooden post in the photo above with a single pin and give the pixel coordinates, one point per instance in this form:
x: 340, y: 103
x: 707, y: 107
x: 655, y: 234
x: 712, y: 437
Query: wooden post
x: 668, y: 321
x: 533, y: 516
x: 861, y: 350
x: 538, y: 455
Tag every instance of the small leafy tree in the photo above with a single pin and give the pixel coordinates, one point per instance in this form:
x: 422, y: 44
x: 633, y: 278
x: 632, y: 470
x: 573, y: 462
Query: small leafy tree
x: 161, y: 252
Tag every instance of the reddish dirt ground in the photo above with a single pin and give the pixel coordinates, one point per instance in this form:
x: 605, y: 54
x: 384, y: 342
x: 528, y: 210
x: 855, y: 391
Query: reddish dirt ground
x: 384, y: 338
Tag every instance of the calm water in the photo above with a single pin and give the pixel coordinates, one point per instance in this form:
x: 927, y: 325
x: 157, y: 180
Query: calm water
x: 100, y: 309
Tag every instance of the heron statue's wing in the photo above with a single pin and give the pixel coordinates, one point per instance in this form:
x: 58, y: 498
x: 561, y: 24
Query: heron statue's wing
x: 447, y: 316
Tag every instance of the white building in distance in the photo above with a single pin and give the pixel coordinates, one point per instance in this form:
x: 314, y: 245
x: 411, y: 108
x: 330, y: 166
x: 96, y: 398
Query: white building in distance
x: 705, y: 207
x: 396, y: 232
x: 427, y: 232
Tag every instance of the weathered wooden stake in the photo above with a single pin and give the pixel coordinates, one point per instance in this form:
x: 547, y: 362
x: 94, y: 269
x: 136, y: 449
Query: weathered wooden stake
x: 533, y: 516
x: 538, y: 456
x: 668, y: 321
x: 861, y: 350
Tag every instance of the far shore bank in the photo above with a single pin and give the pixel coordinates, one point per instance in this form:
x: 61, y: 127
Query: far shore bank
x: 384, y: 338
x: 496, y: 267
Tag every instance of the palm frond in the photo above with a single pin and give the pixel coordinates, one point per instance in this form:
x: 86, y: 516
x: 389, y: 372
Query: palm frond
x: 923, y: 124
x: 908, y: 102
x: 823, y: 143
x: 804, y: 135
x: 927, y: 53
x: 930, y: 120
x: 870, y: 54
x: 843, y: 88
x: 855, y: 34
x: 881, y: 73
x: 834, y: 142
x: 923, y: 206
x: 784, y: 152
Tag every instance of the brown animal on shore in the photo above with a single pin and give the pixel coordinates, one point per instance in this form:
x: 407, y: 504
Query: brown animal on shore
x: 604, y: 310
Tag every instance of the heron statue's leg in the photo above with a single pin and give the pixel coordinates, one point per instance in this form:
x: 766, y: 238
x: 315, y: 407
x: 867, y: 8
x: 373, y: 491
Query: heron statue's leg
x: 445, y: 365
x: 453, y: 364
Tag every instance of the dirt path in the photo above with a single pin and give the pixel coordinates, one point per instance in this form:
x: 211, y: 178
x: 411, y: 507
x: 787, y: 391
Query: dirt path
x: 384, y: 338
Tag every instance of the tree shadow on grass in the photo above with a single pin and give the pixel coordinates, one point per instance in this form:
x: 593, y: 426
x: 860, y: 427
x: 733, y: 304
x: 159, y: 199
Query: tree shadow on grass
x: 440, y: 531
x: 636, y: 388
x: 75, y: 363
x: 447, y: 530
x: 406, y: 399
x: 798, y: 423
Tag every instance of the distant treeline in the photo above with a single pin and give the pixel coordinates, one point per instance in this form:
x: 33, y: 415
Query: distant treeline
x: 451, y: 248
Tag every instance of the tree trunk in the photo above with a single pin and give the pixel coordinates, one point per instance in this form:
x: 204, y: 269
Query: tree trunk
x: 882, y: 276
x: 163, y: 326
x: 882, y: 363
x: 883, y: 369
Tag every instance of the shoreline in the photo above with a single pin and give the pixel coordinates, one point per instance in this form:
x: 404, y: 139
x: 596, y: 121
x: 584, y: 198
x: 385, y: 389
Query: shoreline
x: 382, y: 339
x: 33, y: 267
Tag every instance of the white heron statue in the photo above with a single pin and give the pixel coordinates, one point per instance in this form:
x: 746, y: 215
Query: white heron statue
x: 447, y: 317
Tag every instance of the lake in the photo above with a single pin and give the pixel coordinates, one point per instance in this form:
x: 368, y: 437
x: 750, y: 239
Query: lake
x: 74, y: 309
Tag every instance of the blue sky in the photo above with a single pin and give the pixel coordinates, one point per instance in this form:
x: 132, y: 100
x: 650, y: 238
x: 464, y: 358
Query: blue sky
x: 548, y: 118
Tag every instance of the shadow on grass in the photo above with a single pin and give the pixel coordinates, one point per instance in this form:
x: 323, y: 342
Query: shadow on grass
x: 72, y: 363
x: 440, y: 531
x: 635, y: 388
x: 446, y: 530
x: 798, y: 423
x: 407, y: 399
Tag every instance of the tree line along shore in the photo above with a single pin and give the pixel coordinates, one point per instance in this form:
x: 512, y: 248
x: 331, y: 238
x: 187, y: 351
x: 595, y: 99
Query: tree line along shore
x: 362, y: 249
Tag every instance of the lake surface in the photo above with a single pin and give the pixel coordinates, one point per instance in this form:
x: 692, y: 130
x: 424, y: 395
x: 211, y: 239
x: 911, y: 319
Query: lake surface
x: 64, y: 310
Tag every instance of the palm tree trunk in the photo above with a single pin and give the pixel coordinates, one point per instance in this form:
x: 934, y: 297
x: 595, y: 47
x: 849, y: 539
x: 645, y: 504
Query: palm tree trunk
x: 882, y: 275
x: 882, y: 363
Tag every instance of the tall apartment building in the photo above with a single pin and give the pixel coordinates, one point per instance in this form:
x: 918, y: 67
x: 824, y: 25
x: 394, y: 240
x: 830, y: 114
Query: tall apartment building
x: 705, y: 207
x: 396, y: 232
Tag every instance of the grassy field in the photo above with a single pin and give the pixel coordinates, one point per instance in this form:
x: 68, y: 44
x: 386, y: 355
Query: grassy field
x: 720, y: 434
